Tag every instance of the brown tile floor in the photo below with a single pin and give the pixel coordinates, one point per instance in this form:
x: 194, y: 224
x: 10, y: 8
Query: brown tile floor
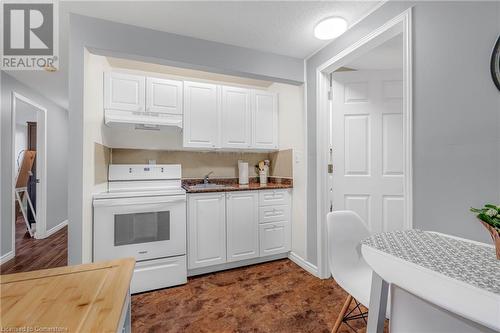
x: 277, y: 296
x: 33, y: 254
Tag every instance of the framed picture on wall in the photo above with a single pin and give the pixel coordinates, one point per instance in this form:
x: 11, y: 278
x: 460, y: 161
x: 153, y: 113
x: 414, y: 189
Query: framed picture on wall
x: 495, y: 64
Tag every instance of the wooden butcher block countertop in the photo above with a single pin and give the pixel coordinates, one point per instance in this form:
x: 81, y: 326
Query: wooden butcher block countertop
x: 82, y: 298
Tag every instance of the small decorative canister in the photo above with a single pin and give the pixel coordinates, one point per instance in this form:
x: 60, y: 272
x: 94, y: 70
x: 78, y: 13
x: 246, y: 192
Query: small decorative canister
x: 263, y: 177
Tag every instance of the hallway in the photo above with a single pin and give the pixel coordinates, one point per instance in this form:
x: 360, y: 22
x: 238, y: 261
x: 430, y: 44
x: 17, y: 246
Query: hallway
x: 33, y: 254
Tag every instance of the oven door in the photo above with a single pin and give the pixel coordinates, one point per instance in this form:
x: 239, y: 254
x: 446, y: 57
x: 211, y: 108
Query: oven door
x: 140, y: 227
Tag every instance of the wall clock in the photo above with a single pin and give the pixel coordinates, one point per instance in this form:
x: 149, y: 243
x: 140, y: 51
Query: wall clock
x: 495, y: 64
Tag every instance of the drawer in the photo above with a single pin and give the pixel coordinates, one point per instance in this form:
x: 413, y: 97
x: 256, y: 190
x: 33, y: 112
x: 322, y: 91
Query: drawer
x: 274, y: 238
x: 274, y: 197
x: 158, y: 273
x: 279, y: 213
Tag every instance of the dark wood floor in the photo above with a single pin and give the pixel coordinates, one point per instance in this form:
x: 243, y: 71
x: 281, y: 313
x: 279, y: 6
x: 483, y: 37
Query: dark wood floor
x: 33, y: 254
x: 273, y: 297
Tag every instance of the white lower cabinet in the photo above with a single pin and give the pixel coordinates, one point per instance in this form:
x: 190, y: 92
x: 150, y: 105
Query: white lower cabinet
x: 234, y: 226
x: 275, y: 234
x: 242, y: 220
x: 206, y: 229
x: 274, y: 238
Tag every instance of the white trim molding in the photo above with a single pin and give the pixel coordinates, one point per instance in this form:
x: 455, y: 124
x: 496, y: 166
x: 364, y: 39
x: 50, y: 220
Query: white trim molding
x: 52, y: 230
x: 401, y: 24
x: 6, y: 257
x: 41, y: 192
x: 307, y: 266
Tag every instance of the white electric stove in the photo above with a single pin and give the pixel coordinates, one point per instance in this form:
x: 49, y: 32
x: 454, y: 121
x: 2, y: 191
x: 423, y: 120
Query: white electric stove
x: 143, y: 215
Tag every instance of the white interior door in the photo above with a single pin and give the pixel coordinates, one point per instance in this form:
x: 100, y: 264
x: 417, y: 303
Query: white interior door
x: 368, y: 147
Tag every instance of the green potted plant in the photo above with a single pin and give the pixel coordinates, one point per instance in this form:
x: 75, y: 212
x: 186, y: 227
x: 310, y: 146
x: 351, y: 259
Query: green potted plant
x: 489, y: 216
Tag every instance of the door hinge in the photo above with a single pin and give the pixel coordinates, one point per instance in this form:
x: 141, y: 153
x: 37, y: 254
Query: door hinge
x: 330, y: 95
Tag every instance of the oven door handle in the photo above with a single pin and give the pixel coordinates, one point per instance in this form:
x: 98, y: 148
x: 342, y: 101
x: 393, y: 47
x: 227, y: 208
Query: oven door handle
x: 139, y: 201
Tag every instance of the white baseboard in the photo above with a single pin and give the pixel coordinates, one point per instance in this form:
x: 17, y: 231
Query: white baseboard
x: 56, y: 228
x: 303, y: 263
x: 235, y: 264
x: 6, y: 257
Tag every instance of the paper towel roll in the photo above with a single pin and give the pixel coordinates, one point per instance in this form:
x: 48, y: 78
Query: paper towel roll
x: 243, y: 173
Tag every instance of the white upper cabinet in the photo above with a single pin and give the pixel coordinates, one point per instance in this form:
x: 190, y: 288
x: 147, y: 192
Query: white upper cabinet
x: 212, y: 116
x: 124, y: 92
x: 242, y: 223
x: 265, y: 120
x: 163, y: 96
x: 201, y: 115
x: 236, y: 117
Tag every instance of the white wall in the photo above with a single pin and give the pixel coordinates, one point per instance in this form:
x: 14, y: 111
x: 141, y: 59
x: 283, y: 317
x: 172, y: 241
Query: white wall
x: 292, y: 135
x: 94, y: 127
x: 456, y: 118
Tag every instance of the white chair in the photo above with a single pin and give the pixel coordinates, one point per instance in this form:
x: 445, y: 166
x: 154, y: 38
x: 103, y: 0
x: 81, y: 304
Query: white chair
x: 346, y: 230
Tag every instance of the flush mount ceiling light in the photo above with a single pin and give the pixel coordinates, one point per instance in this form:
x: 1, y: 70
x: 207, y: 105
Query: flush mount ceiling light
x: 330, y: 28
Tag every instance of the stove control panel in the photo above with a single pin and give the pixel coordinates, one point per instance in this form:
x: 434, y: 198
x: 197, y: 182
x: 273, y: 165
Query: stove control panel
x: 123, y: 172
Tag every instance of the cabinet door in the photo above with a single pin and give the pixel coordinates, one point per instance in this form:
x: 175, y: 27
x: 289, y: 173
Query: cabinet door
x: 124, y: 92
x: 242, y: 225
x: 164, y: 96
x: 236, y: 117
x: 206, y: 229
x: 201, y: 115
x: 265, y: 120
x: 274, y: 238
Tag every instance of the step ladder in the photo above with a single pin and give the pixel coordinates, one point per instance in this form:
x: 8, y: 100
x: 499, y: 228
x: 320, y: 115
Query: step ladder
x: 20, y: 193
x: 22, y: 189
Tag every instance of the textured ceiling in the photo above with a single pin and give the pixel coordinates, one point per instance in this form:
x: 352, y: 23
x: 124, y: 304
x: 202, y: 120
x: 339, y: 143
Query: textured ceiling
x: 284, y: 28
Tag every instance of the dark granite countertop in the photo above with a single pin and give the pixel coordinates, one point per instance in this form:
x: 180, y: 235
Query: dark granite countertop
x: 231, y: 184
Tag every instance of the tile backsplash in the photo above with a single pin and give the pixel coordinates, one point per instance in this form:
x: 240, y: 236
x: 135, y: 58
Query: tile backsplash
x: 198, y: 164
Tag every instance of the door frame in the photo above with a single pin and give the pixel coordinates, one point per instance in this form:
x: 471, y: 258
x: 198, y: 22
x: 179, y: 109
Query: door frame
x: 399, y: 24
x: 41, y: 160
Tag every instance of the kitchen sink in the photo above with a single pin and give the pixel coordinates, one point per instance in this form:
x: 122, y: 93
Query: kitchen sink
x: 208, y: 186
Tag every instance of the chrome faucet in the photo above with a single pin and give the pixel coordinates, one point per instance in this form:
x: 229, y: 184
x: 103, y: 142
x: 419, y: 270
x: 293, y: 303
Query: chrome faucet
x: 205, y: 179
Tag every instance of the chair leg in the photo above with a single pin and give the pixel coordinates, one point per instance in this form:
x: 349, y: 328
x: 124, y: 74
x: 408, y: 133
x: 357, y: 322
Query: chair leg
x: 342, y: 313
